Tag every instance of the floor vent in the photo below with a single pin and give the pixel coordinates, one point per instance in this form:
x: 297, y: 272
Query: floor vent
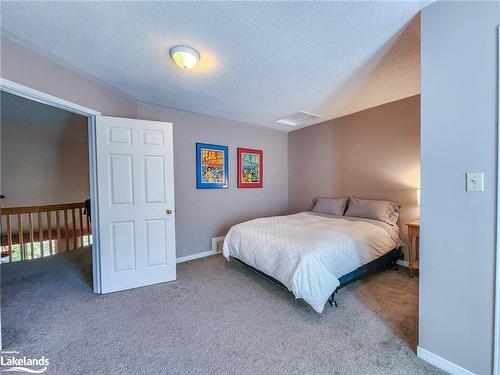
x: 217, y: 244
x: 298, y: 118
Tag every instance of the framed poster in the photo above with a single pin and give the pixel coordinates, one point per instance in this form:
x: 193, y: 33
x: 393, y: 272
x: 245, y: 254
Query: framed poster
x: 211, y: 166
x: 250, y: 168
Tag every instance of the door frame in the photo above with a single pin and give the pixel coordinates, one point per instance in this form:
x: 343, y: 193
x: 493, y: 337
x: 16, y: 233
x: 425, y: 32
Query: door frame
x: 496, y: 343
x: 53, y: 101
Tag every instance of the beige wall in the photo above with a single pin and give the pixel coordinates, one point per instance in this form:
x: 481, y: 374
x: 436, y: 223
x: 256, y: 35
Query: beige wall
x: 315, y: 154
x: 201, y: 214
x: 44, y: 154
x: 373, y: 153
x: 205, y: 213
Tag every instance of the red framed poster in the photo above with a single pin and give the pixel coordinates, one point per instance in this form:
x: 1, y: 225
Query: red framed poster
x: 250, y: 168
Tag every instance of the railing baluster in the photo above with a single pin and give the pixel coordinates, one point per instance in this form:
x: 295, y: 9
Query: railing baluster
x: 66, y: 232
x: 35, y: 236
x: 20, y: 234
x: 58, y: 224
x: 9, y: 237
x: 73, y: 218
x: 32, y: 239
x: 40, y: 233
x: 80, y: 221
x: 88, y: 229
x: 49, y: 231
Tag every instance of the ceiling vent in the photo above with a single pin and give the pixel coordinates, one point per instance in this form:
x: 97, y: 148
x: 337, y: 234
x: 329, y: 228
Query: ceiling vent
x: 298, y: 118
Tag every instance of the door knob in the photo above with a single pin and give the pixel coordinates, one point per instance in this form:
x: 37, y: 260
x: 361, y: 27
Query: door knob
x: 169, y: 211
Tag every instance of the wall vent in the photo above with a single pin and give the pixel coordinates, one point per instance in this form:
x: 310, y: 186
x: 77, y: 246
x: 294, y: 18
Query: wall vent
x: 217, y: 244
x: 298, y: 118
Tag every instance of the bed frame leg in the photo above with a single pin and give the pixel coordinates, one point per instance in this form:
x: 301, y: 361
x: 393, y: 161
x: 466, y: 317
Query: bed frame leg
x: 332, y: 301
x: 395, y: 266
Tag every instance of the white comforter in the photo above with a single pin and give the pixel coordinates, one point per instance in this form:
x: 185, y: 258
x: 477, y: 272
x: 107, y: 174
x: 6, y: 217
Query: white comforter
x: 308, y: 252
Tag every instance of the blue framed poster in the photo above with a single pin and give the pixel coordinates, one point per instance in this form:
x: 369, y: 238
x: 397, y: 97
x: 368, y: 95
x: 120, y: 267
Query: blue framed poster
x: 211, y: 166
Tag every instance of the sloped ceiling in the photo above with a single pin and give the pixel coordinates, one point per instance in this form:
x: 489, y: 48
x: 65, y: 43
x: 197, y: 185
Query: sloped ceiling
x: 23, y: 118
x: 260, y: 61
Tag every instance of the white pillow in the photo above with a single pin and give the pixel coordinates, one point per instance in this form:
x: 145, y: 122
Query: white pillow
x: 331, y: 206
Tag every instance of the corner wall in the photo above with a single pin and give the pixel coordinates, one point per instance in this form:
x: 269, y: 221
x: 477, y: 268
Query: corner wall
x: 371, y: 154
x: 459, y: 133
x: 205, y: 213
x: 201, y: 214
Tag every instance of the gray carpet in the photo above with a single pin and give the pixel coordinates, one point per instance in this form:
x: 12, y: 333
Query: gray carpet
x: 217, y: 318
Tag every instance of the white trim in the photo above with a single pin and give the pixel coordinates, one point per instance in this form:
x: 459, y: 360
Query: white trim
x: 196, y: 256
x: 41, y: 97
x: 441, y: 363
x: 496, y: 342
x: 53, y: 101
x: 403, y: 263
x: 94, y: 208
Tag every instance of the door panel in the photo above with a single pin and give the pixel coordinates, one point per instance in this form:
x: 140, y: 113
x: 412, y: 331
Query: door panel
x: 120, y: 135
x: 154, y: 179
x: 153, y: 138
x: 123, y: 245
x: 156, y: 238
x: 135, y: 190
x: 121, y: 187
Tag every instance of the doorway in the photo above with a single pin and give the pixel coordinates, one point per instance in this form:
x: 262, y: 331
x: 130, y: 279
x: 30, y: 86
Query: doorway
x: 131, y: 198
x: 45, y: 187
x: 16, y: 90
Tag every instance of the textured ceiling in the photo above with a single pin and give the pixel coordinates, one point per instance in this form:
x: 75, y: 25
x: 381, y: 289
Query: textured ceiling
x: 260, y: 61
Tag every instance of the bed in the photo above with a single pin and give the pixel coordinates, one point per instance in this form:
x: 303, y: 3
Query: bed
x: 313, y: 254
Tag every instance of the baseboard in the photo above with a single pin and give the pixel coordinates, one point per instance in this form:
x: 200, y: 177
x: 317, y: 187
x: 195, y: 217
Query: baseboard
x: 196, y: 256
x: 403, y: 263
x: 441, y: 363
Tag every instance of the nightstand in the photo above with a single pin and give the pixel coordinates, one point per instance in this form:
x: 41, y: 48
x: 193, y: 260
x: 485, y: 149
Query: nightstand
x: 413, y: 245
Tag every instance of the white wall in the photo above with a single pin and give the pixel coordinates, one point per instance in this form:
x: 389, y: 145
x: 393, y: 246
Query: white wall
x: 44, y: 154
x: 458, y: 134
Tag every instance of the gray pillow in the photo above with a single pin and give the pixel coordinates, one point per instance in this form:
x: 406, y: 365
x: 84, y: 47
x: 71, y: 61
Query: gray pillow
x: 386, y: 211
x: 331, y: 206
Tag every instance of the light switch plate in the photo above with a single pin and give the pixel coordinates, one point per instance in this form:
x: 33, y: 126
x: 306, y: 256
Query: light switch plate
x: 475, y: 181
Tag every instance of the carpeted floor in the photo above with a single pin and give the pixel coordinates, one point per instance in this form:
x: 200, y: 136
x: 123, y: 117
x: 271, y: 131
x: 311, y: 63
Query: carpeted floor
x: 217, y: 318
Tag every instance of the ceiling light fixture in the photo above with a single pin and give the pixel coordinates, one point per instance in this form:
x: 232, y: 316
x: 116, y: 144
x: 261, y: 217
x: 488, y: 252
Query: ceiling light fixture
x: 185, y: 57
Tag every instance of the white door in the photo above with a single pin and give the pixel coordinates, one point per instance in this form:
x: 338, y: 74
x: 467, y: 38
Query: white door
x: 135, y: 183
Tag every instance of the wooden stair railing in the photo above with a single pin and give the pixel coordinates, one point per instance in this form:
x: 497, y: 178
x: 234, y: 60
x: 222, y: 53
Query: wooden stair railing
x: 66, y: 235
